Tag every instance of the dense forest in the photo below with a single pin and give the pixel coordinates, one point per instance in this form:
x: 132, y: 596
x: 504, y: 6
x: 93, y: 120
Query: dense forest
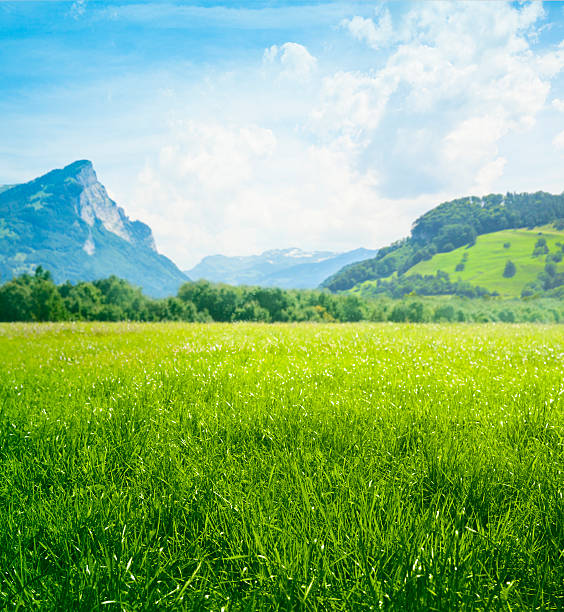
x: 449, y: 226
x: 37, y: 298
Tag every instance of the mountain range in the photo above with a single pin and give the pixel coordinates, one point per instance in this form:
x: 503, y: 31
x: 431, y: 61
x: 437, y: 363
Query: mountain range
x: 66, y: 222
x: 285, y: 268
x: 510, y: 244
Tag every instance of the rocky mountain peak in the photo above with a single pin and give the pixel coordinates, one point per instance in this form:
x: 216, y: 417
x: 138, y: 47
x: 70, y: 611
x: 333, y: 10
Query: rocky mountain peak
x: 66, y: 222
x: 94, y: 203
x: 81, y: 171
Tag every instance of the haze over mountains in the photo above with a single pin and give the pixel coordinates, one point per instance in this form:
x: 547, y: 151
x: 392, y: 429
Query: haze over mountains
x: 65, y: 222
x: 285, y: 268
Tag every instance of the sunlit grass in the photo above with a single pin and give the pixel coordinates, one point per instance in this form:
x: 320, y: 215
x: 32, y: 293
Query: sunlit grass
x: 485, y: 261
x: 252, y: 467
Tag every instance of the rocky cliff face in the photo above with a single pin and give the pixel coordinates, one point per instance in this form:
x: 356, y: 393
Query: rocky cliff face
x: 66, y: 222
x: 95, y: 204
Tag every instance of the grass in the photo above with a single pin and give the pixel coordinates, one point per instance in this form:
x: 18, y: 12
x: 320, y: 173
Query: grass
x: 245, y: 467
x: 487, y: 258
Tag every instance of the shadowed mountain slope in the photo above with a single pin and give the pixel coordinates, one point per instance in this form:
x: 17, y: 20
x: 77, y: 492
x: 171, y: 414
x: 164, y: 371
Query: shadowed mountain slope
x: 66, y: 222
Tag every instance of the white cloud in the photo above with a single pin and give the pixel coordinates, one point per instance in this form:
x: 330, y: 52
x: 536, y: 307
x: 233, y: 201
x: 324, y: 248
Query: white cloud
x: 558, y: 141
x: 352, y: 104
x: 473, y: 140
x: 295, y: 154
x: 240, y: 191
x: 293, y: 60
x: 375, y: 35
x: 558, y: 104
x: 214, y: 156
x: 463, y: 75
x: 487, y: 176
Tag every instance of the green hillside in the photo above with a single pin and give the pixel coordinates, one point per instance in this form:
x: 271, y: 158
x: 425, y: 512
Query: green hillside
x: 484, y: 263
x: 447, y: 228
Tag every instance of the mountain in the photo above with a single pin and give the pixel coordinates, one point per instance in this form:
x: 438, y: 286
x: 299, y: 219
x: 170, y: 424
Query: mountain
x: 451, y: 226
x: 284, y: 268
x: 65, y: 222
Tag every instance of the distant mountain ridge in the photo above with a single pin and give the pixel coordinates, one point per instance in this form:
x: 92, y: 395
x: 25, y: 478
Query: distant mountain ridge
x: 66, y: 222
x: 289, y: 268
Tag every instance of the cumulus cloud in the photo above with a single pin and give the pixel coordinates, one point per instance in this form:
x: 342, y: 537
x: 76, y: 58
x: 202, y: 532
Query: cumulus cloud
x: 334, y: 159
x: 463, y: 75
x: 487, y: 176
x: 292, y: 60
x: 214, y: 156
x: 197, y: 178
x: 239, y: 190
x: 351, y: 106
x: 474, y: 139
x: 364, y: 29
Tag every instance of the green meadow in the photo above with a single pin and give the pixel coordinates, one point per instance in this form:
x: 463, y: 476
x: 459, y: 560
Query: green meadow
x: 485, y: 261
x: 291, y: 467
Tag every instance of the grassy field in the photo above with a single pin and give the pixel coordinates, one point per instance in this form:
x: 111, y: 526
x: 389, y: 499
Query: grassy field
x: 245, y: 467
x: 487, y: 258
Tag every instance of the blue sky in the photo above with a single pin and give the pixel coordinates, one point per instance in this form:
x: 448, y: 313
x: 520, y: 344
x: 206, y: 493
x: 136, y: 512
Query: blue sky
x: 234, y: 127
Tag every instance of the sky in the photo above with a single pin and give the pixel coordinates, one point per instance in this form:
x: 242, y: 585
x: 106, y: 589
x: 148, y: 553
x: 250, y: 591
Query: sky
x: 238, y: 126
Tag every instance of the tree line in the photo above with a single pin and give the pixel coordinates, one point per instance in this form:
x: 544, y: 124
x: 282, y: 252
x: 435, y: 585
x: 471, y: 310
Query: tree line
x: 428, y: 284
x: 35, y: 297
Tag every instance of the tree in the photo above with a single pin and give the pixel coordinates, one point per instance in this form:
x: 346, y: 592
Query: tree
x: 444, y: 313
x: 32, y: 298
x: 416, y: 312
x: 251, y: 311
x: 351, y: 309
x: 83, y: 300
x: 507, y: 316
x: 43, y: 274
x: 47, y: 304
x: 399, y: 314
x: 509, y: 270
x: 15, y: 301
x: 273, y: 300
x: 541, y: 248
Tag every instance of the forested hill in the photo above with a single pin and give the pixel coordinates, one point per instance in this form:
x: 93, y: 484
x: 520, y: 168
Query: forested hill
x: 452, y: 225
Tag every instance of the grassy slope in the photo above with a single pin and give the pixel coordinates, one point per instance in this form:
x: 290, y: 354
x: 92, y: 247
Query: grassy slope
x: 254, y: 467
x: 487, y: 258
